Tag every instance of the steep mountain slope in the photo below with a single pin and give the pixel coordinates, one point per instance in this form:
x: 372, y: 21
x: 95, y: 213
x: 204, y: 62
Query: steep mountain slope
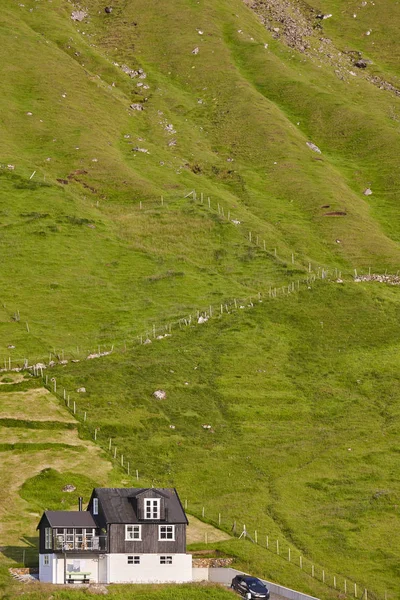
x: 168, y: 156
x: 230, y: 121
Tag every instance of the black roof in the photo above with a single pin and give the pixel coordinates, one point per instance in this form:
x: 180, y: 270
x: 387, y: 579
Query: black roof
x: 68, y: 518
x: 118, y: 507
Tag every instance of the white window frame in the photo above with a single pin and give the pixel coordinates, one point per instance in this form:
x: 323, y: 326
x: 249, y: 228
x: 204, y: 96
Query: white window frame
x: 46, y: 560
x: 48, y: 538
x: 154, y: 502
x: 133, y: 560
x: 164, y: 535
x: 130, y: 535
x: 95, y: 506
x: 166, y: 560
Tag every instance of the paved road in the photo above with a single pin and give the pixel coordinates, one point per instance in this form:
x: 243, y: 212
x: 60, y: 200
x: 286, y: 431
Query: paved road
x: 225, y: 577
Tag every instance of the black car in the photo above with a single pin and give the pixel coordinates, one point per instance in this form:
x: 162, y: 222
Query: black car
x: 250, y: 587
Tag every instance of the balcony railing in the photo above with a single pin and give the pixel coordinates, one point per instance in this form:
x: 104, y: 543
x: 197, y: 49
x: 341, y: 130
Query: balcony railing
x: 79, y: 543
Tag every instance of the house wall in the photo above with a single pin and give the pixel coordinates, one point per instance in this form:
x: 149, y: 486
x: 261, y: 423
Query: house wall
x: 100, y: 517
x: 150, y: 542
x: 150, y: 570
x: 54, y: 572
x: 42, y: 525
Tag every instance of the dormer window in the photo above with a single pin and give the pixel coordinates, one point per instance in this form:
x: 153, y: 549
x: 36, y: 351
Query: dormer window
x: 152, y: 508
x: 95, y: 506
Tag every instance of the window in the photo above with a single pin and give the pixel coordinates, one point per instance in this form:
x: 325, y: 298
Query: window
x: 152, y: 508
x: 47, y: 538
x: 133, y: 560
x: 46, y: 560
x: 165, y: 560
x: 95, y: 506
x: 133, y: 532
x: 166, y: 532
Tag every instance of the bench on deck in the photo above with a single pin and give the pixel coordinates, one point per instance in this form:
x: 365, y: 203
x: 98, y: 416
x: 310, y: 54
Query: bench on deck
x: 78, y: 577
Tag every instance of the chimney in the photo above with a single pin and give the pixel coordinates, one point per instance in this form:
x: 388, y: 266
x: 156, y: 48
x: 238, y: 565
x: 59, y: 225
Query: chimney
x: 80, y: 500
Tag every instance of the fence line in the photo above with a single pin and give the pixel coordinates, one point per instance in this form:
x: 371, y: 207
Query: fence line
x: 268, y: 542
x: 346, y: 586
x: 199, y: 316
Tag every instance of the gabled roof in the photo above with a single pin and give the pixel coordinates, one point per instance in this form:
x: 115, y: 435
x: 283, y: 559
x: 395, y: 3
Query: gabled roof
x: 68, y: 518
x: 119, y: 507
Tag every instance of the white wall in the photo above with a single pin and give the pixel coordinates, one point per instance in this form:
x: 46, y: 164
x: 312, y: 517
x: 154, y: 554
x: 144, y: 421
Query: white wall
x: 200, y: 574
x: 54, y: 572
x: 149, y: 570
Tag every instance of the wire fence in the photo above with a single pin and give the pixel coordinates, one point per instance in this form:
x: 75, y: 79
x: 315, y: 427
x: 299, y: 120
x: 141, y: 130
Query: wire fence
x: 25, y: 556
x: 345, y: 586
x: 258, y: 240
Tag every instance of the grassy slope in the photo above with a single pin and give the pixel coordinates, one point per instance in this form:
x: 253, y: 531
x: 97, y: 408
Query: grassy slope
x: 36, y: 463
x: 88, y: 285
x: 302, y: 395
x: 321, y: 365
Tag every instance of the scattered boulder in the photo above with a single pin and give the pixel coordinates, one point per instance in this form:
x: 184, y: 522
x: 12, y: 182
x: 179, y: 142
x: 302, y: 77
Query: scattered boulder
x: 361, y: 64
x: 160, y: 394
x: 172, y: 426
x: 202, y: 319
x: 367, y: 192
x: 136, y: 106
x: 108, y: 10
x: 69, y: 488
x: 79, y: 15
x: 137, y: 149
x: 81, y: 390
x: 97, y: 589
x: 313, y: 147
x: 11, y: 346
x: 195, y: 51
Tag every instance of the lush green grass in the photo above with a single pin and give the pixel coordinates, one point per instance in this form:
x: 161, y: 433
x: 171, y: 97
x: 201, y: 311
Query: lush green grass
x: 127, y: 592
x: 101, y: 270
x: 301, y: 394
x: 46, y: 490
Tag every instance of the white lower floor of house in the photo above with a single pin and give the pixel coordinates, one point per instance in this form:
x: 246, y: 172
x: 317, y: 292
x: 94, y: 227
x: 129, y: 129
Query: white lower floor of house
x: 115, y: 568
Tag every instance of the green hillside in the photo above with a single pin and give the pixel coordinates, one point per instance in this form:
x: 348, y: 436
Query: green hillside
x: 169, y: 157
